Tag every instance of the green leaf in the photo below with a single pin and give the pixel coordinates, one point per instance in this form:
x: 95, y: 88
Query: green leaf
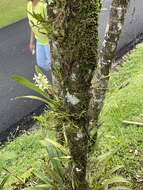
x: 55, y: 144
x: 26, y: 174
x: 116, y: 168
x: 62, y: 157
x: 115, y: 180
x: 56, y: 164
x: 38, y: 187
x: 4, y: 182
x: 50, y: 177
x: 105, y: 157
x: 43, y: 178
x: 42, y: 187
x: 120, y: 188
x: 34, y: 98
x: 55, y: 151
x: 28, y: 84
x: 101, y: 163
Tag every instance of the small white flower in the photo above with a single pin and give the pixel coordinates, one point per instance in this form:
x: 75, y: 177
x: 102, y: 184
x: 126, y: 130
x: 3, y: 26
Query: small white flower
x: 41, y: 81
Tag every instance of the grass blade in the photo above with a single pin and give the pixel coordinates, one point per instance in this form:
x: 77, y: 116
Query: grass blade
x: 4, y: 182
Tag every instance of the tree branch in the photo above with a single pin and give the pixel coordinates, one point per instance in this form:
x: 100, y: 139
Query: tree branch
x: 101, y: 75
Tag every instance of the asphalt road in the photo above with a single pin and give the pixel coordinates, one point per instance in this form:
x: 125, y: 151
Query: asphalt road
x: 16, y: 59
x: 133, y: 26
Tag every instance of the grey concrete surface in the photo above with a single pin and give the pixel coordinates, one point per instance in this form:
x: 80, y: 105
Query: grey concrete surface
x: 16, y: 59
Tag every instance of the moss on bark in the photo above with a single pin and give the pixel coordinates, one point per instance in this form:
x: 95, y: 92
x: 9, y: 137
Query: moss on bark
x: 75, y: 35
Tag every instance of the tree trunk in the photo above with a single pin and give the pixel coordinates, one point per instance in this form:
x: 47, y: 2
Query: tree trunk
x: 79, y: 60
x: 101, y: 76
x: 75, y: 36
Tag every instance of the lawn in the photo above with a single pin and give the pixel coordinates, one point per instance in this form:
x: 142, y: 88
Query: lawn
x: 11, y: 11
x: 124, y: 101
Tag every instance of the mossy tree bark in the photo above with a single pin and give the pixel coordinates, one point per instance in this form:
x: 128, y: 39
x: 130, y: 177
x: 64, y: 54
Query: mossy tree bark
x: 75, y: 50
x: 75, y: 36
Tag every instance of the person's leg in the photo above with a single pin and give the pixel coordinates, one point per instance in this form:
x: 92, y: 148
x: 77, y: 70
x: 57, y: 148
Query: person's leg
x: 48, y: 62
x: 44, y: 59
x: 40, y: 55
x: 47, y: 57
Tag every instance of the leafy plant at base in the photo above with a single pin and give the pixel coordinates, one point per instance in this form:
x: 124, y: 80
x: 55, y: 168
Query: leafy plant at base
x: 53, y: 175
x: 106, y: 178
x: 6, y: 156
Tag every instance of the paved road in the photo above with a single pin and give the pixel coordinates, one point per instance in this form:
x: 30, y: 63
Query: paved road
x: 15, y: 58
x: 133, y: 23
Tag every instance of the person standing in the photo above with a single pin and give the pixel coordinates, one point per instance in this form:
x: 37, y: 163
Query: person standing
x: 39, y: 37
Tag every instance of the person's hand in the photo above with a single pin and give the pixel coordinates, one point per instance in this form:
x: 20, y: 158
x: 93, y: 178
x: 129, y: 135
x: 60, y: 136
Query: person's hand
x: 32, y: 48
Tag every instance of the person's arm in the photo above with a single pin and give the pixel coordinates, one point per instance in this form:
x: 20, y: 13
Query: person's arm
x: 32, y: 43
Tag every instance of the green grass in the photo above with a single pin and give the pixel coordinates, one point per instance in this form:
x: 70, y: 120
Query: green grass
x: 125, y: 103
x: 26, y: 152
x: 11, y: 11
x: 122, y: 103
